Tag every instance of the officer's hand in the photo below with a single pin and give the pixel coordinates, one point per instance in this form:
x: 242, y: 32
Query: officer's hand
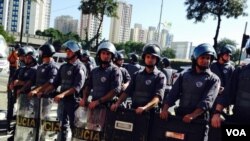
x: 58, y: 98
x: 139, y: 110
x: 32, y: 93
x: 93, y: 104
x: 82, y: 103
x: 11, y: 86
x: 114, y: 107
x: 187, y: 118
x: 15, y: 83
x: 39, y: 94
x: 164, y: 114
x: 216, y: 121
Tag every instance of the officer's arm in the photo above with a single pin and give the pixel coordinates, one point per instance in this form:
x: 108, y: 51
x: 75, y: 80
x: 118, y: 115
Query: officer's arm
x: 47, y: 89
x: 122, y: 98
x: 197, y: 112
x: 86, y: 93
x: 68, y: 92
x: 26, y: 86
x: 107, y: 97
x: 152, y: 103
x: 42, y: 88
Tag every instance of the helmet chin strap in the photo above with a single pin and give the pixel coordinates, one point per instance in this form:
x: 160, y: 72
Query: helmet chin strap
x: 104, y: 62
x: 70, y: 58
x: 202, y: 67
x: 149, y: 66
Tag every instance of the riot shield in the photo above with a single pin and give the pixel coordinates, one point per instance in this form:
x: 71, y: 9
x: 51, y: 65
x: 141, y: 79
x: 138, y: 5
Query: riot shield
x: 126, y: 125
x: 3, y: 123
x: 174, y: 129
x: 49, y: 123
x: 27, y: 118
x: 89, y: 124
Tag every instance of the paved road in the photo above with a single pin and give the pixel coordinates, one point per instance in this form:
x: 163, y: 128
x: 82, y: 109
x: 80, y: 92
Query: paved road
x: 3, y: 89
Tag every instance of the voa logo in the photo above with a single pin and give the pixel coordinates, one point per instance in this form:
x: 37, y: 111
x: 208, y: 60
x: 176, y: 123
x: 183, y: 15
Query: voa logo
x: 236, y: 132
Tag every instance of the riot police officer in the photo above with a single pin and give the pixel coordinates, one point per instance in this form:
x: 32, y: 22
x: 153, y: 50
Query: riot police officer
x: 197, y: 88
x: 85, y: 58
x: 222, y: 67
x: 147, y: 86
x: 47, y: 71
x: 236, y: 93
x: 169, y: 73
x: 71, y: 77
x: 133, y: 66
x: 25, y: 81
x: 26, y: 78
x: 119, y: 60
x: 105, y: 80
x: 11, y: 89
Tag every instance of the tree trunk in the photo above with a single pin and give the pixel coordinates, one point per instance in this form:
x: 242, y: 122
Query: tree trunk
x: 217, y: 32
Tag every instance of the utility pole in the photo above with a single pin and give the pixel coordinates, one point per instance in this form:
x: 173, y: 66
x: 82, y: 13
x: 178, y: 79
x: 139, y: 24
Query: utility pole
x: 159, y: 24
x: 22, y: 22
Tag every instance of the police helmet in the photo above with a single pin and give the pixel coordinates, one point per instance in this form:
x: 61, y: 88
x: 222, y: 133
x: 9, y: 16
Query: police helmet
x: 21, y: 51
x: 247, y: 46
x: 119, y: 56
x: 47, y: 50
x: 71, y: 45
x: 32, y: 52
x: 134, y: 57
x: 226, y: 49
x: 203, y: 49
x: 153, y: 49
x: 165, y: 61
x: 107, y: 46
x: 85, y: 53
x: 17, y: 46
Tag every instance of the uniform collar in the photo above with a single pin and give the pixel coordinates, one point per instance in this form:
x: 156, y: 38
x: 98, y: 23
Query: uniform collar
x: 154, y: 71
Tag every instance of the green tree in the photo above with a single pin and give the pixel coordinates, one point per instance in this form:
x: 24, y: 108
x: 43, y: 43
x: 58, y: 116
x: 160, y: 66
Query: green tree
x: 130, y: 46
x: 99, y: 8
x: 169, y: 52
x: 7, y: 37
x: 199, y: 10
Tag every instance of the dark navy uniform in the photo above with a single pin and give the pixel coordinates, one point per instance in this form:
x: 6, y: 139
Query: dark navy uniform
x: 69, y: 76
x: 102, y: 80
x: 46, y: 73
x: 194, y: 91
x: 144, y: 86
x: 170, y: 74
x: 125, y: 76
x: 132, y: 67
x: 237, y: 93
x: 223, y: 71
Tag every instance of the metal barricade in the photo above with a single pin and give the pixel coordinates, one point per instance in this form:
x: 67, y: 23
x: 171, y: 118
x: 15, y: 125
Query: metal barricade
x: 174, y: 129
x: 126, y: 125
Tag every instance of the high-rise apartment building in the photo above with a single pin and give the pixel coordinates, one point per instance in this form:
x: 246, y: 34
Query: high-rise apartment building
x: 89, y: 24
x: 66, y: 24
x: 163, y: 38
x: 137, y: 34
x: 120, y: 27
x: 151, y: 34
x: 36, y: 15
